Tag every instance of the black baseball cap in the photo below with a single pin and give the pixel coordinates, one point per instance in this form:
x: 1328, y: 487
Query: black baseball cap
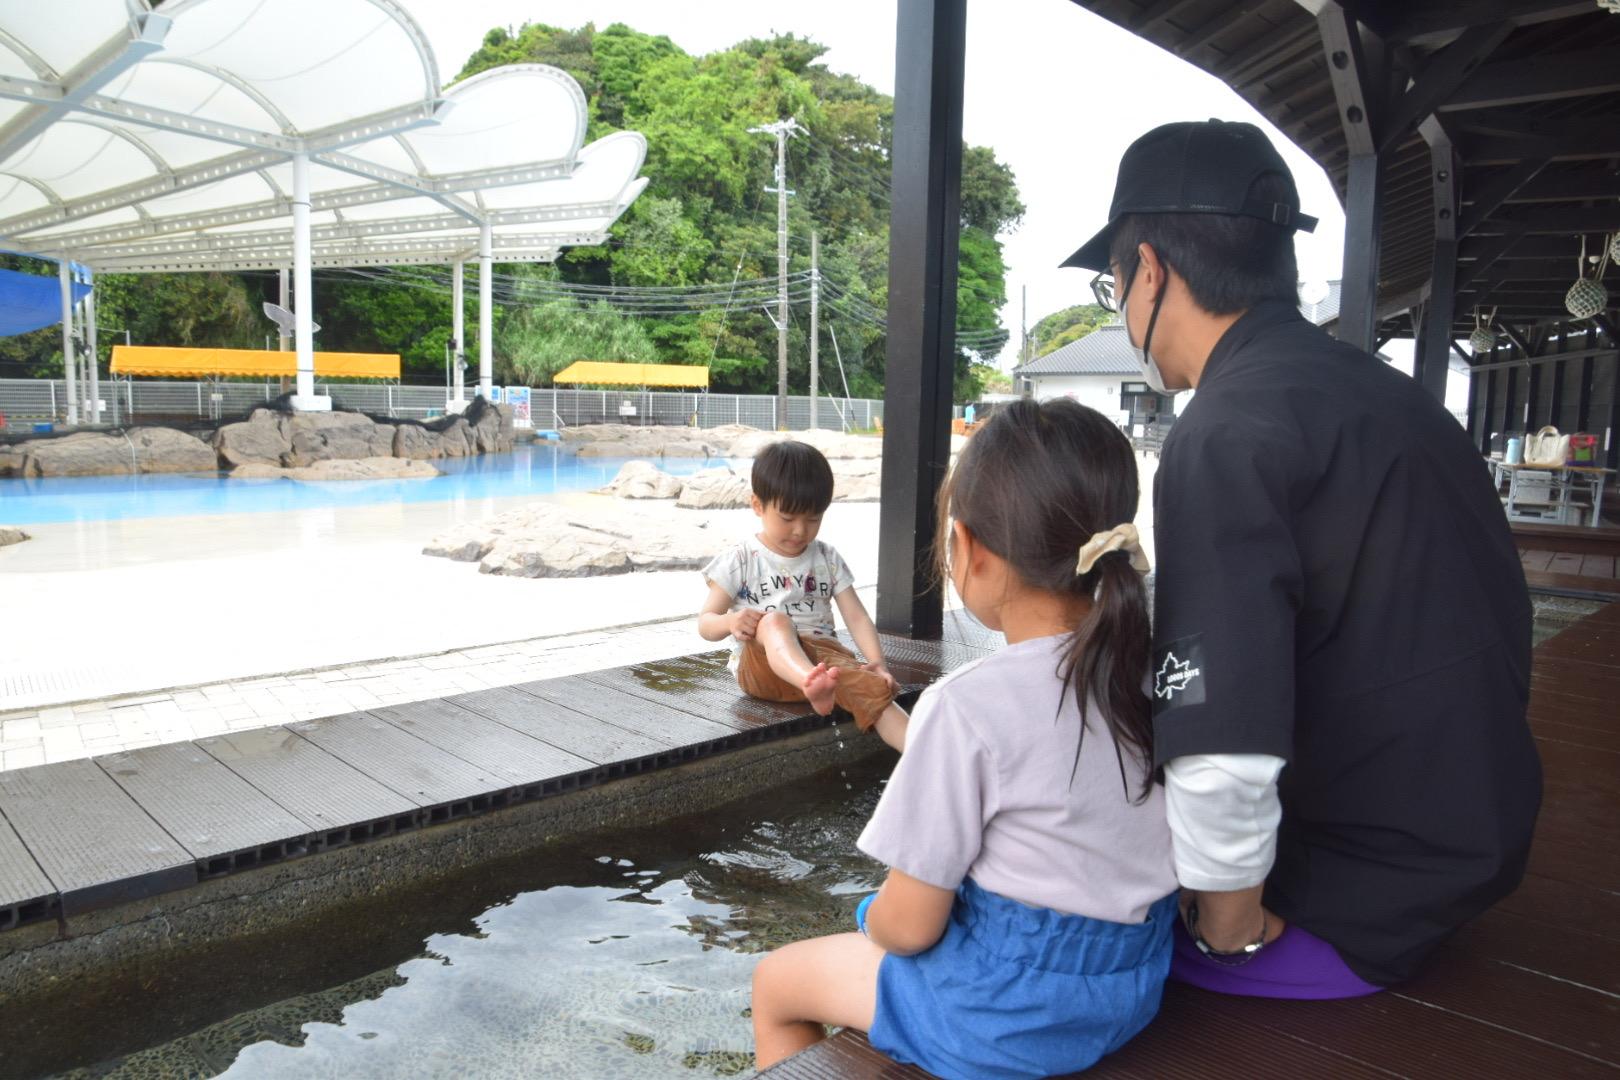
x: 1195, y: 167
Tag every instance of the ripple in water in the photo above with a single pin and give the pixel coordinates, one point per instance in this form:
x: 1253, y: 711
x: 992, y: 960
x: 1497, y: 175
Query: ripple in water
x: 635, y: 963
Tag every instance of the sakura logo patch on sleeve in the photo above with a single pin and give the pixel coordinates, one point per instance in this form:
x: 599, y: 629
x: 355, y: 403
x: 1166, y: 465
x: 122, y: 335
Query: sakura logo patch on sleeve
x: 1178, y: 673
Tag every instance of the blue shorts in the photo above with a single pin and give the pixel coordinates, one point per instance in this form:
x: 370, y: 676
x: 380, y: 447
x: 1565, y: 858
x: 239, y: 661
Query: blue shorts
x: 1017, y: 991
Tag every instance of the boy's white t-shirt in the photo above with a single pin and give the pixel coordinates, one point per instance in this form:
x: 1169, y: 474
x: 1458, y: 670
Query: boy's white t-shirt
x: 802, y: 588
x: 984, y: 791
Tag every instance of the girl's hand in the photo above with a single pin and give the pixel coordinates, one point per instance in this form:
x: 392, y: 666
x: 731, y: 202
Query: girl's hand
x: 877, y: 668
x: 745, y: 623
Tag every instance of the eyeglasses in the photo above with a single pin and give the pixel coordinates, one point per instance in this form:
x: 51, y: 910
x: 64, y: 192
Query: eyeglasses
x: 1102, y: 287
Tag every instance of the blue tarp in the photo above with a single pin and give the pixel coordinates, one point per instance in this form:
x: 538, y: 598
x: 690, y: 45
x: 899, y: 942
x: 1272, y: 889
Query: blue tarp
x: 30, y: 301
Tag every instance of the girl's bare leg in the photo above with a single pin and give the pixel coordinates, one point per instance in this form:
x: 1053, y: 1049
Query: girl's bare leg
x: 781, y: 643
x: 802, y: 987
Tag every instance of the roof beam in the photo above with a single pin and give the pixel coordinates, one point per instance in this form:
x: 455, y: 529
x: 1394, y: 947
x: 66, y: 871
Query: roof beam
x: 1560, y: 220
x: 1538, y: 78
x: 1598, y: 137
x: 1430, y: 24
x: 1486, y: 257
x: 347, y: 230
x: 205, y: 172
x: 117, y: 55
x: 1494, y: 192
x: 1439, y: 78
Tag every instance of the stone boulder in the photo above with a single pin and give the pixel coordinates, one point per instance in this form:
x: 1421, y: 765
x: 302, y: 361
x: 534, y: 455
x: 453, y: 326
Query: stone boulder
x: 549, y: 540
x: 642, y: 480
x: 89, y: 453
x: 423, y: 443
x: 373, y: 468
x: 323, y: 436
x: 715, y: 489
x: 10, y: 534
x: 489, y: 427
x: 262, y: 438
x: 859, y: 480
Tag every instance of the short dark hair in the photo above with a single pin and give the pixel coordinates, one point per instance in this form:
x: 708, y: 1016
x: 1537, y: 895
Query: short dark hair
x: 1230, y: 263
x: 794, y: 477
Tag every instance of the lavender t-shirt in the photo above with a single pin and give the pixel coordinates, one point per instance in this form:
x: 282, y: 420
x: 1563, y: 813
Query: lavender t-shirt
x: 983, y: 791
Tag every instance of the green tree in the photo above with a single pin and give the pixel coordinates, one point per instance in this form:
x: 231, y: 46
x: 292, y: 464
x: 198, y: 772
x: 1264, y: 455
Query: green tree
x: 540, y: 341
x: 1070, y: 324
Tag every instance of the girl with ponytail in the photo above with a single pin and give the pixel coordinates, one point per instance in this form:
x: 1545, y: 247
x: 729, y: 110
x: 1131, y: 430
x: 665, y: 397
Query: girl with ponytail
x: 1024, y: 926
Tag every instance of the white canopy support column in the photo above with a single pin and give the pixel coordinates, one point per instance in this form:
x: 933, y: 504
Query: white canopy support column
x: 65, y: 276
x: 304, y: 397
x: 486, y: 317
x: 92, y: 360
x: 458, y: 351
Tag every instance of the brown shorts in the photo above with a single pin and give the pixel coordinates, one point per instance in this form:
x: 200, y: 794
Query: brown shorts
x: 861, y: 693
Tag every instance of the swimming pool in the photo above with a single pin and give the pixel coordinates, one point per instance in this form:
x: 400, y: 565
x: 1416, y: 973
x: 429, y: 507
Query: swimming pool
x: 623, y: 953
x: 535, y: 469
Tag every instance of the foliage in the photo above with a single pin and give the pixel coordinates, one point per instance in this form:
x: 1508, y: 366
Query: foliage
x: 704, y: 220
x: 1069, y: 324
x: 540, y: 341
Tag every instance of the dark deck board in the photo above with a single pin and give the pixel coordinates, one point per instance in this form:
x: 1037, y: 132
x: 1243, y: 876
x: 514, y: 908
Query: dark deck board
x: 660, y: 719
x: 311, y: 784
x: 1536, y: 560
x: 209, y: 810
x: 26, y: 892
x: 706, y: 695
x: 1565, y: 563
x: 1598, y: 566
x: 416, y: 769
x: 512, y: 756
x: 1530, y: 988
x: 89, y: 837
x: 569, y: 730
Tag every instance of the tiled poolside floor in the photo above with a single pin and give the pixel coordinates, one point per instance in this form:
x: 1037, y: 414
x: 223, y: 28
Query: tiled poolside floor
x: 63, y: 732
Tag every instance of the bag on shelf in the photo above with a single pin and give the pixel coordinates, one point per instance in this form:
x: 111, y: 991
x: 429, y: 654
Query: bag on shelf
x: 1546, y: 447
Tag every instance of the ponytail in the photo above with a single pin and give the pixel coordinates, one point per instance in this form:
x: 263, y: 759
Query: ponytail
x: 1106, y: 659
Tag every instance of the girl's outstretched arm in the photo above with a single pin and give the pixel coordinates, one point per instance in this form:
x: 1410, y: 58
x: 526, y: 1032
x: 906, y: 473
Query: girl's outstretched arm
x: 908, y: 915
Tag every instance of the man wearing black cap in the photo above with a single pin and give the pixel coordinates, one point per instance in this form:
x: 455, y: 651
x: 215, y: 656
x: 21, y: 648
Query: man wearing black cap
x: 1341, y: 656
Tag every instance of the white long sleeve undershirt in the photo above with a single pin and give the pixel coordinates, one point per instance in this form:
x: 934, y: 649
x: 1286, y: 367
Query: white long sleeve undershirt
x: 1224, y: 812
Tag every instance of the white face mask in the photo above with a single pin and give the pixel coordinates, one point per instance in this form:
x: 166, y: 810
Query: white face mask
x: 1150, y: 369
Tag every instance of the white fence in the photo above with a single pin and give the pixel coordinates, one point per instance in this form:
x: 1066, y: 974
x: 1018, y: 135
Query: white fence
x: 129, y: 401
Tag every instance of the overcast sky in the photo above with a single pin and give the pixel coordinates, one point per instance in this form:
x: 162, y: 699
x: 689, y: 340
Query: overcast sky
x: 1057, y: 92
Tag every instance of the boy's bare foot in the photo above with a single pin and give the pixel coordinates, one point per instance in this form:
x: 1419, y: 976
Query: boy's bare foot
x: 821, y: 687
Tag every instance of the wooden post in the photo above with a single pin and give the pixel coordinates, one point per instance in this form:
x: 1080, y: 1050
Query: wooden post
x: 924, y: 224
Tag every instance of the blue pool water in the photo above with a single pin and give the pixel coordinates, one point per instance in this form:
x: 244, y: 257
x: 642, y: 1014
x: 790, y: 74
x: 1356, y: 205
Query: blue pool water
x: 538, y: 469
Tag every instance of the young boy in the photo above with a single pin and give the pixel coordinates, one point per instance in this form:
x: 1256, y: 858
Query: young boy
x: 773, y: 594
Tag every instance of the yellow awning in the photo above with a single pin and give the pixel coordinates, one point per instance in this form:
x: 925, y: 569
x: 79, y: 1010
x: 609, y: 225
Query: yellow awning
x: 610, y: 373
x: 257, y: 363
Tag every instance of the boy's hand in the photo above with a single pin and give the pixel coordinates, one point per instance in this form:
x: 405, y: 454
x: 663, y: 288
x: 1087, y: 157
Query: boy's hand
x: 745, y: 623
x: 877, y: 668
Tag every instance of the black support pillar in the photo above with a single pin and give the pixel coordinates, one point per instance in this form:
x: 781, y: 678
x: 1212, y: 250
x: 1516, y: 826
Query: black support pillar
x: 1359, y: 79
x: 923, y: 230
x: 1434, y: 336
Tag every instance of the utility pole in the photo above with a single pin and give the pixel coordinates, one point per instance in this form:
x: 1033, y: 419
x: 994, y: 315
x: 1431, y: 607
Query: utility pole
x: 1023, y: 323
x: 783, y: 130
x: 815, y: 321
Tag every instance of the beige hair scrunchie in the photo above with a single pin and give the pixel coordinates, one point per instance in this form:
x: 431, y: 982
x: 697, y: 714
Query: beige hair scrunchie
x: 1120, y: 538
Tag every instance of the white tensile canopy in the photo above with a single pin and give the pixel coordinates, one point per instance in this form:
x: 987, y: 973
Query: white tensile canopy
x: 286, y: 134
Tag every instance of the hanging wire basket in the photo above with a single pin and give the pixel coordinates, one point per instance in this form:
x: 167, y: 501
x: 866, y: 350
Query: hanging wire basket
x: 1586, y: 298
x: 1482, y: 340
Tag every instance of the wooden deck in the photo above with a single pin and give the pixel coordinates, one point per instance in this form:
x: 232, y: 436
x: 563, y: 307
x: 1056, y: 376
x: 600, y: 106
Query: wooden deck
x: 1570, y: 561
x: 81, y: 835
x: 1532, y: 988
